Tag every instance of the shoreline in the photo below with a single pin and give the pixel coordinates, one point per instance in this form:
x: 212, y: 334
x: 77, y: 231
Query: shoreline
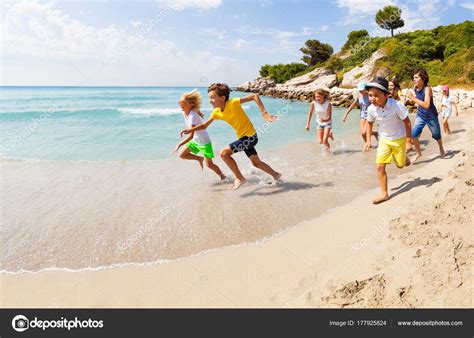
x: 308, y: 265
x: 302, y: 89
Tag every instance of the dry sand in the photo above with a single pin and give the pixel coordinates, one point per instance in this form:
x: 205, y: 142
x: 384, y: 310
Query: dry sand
x: 415, y: 250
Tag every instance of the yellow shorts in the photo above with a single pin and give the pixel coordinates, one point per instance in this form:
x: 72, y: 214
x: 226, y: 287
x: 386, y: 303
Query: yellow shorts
x: 388, y: 148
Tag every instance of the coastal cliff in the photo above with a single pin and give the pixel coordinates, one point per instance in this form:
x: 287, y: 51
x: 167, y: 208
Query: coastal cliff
x: 302, y: 88
x: 446, y: 52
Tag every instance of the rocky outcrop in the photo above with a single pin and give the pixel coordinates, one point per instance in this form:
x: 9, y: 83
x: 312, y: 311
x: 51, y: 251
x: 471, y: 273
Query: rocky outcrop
x: 303, y: 87
x: 463, y: 98
x: 365, y: 72
x: 298, y: 88
x: 308, y: 77
x: 257, y: 86
x: 342, y: 97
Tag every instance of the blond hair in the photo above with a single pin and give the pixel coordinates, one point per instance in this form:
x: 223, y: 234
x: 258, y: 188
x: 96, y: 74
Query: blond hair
x: 322, y: 92
x: 194, y: 98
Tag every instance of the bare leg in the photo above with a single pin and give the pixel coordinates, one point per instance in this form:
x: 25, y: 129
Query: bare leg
x: 258, y: 163
x: 319, y: 135
x: 226, y: 155
x: 409, y: 147
x: 185, y: 154
x: 214, y: 168
x: 416, y: 142
x: 445, y: 126
x: 382, y: 177
x: 363, y: 124
x: 448, y: 131
x: 441, y: 149
x: 326, y: 132
x: 376, y: 135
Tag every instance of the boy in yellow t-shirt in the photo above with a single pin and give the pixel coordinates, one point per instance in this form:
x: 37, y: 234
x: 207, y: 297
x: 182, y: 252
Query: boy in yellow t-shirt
x: 230, y: 111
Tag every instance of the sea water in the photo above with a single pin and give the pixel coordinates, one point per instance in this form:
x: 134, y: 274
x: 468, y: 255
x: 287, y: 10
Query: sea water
x: 88, y: 181
x: 128, y: 123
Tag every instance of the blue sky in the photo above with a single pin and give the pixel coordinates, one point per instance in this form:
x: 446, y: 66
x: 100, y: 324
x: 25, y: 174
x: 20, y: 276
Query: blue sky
x: 184, y: 42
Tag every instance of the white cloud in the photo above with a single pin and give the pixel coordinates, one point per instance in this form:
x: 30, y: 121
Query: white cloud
x: 179, y: 5
x: 240, y: 43
x: 40, y: 30
x: 135, y: 24
x: 214, y: 33
x: 468, y: 5
x: 41, y: 45
x: 360, y: 10
x: 417, y: 14
x: 284, y: 40
x: 280, y: 34
x: 423, y: 16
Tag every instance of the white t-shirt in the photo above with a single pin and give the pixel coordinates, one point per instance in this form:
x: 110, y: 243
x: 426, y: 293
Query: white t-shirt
x: 200, y: 136
x: 321, y: 111
x: 389, y: 119
x: 446, y: 102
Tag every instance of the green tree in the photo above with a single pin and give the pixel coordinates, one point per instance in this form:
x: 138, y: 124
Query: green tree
x: 282, y: 72
x: 316, y: 52
x: 354, y: 37
x: 265, y: 70
x: 389, y: 18
x: 334, y: 64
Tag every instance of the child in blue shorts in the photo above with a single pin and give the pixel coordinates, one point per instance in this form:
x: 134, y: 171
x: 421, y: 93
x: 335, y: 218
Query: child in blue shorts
x: 427, y: 114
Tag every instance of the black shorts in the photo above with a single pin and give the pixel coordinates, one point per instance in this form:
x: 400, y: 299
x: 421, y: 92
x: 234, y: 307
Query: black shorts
x: 246, y: 143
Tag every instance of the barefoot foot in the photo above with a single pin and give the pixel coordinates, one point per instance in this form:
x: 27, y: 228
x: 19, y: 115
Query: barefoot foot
x: 237, y: 184
x: 417, y: 156
x: 277, y: 177
x: 380, y: 199
x: 407, y: 162
x: 442, y: 153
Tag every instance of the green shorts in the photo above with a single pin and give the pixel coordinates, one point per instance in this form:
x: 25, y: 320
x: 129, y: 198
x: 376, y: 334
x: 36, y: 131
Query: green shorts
x: 195, y: 148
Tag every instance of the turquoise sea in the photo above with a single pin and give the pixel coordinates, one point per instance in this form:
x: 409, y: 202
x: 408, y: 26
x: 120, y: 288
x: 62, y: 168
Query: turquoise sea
x: 127, y: 123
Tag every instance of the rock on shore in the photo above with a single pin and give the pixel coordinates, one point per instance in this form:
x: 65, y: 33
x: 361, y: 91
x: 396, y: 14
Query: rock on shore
x: 302, y: 88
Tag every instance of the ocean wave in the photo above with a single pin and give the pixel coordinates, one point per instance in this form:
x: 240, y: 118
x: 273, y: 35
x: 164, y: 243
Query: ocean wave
x: 154, y: 111
x: 150, y: 111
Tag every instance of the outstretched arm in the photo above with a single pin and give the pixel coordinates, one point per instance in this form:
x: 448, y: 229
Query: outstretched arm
x: 255, y: 97
x: 201, y: 126
x: 310, y: 114
x: 183, y: 142
x: 352, y: 106
x: 407, y: 124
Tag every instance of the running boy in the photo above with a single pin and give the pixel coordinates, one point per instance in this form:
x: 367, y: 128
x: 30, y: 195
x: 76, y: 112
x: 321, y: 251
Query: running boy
x: 363, y: 102
x: 230, y: 111
x: 199, y: 141
x: 427, y: 114
x: 394, y: 131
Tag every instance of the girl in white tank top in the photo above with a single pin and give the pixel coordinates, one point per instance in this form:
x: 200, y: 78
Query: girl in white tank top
x: 322, y: 108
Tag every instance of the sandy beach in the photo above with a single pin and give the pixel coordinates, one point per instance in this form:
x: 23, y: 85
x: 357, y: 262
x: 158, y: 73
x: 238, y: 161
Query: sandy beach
x: 415, y: 250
